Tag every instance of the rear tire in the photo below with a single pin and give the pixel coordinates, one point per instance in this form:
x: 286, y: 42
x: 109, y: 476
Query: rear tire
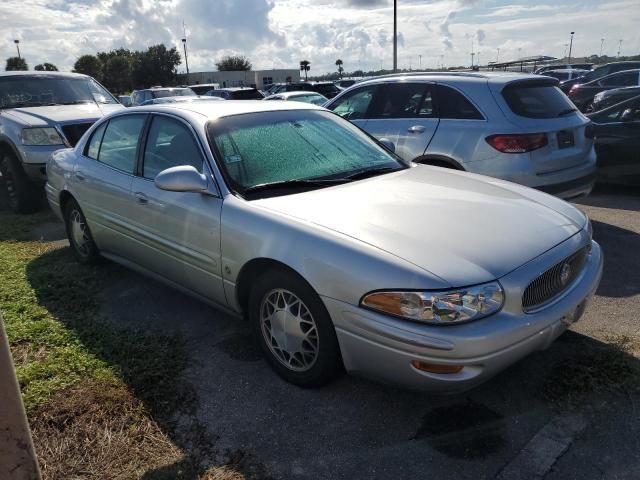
x: 294, y: 329
x: 80, y: 239
x: 24, y: 196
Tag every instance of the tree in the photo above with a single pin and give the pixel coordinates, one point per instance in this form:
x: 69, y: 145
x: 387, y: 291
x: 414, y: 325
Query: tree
x: 117, y: 73
x: 156, y: 66
x: 16, y: 63
x: 339, y: 65
x: 234, y: 63
x: 305, y: 66
x: 89, y: 65
x: 46, y: 67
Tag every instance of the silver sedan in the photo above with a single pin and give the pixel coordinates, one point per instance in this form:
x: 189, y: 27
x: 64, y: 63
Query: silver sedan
x: 338, y: 252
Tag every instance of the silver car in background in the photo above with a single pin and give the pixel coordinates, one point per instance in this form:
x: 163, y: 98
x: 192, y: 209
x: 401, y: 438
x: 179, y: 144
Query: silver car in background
x: 338, y: 252
x: 516, y: 127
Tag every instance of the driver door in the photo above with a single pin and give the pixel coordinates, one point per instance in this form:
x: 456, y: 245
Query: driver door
x: 179, y: 232
x: 355, y: 105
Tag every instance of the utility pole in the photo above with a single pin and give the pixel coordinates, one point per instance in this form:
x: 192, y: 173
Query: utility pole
x: 17, y: 42
x: 570, y: 46
x: 395, y: 36
x: 498, y: 55
x: 442, y: 62
x: 601, y: 45
x: 619, y: 47
x: 184, y: 45
x: 420, y: 62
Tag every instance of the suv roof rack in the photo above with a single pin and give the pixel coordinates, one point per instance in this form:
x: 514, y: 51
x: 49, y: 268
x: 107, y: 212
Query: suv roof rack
x: 439, y: 74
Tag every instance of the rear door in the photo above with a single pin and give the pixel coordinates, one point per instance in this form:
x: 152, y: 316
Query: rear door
x: 538, y: 106
x: 404, y: 113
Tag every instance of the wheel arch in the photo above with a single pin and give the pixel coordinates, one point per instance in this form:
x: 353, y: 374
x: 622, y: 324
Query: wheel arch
x: 439, y: 161
x: 65, y: 197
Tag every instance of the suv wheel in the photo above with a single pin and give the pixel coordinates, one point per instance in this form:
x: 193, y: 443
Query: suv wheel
x: 80, y: 239
x: 294, y: 329
x: 24, y: 196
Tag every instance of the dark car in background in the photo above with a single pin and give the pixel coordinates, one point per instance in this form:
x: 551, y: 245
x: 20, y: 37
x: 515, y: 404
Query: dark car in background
x: 328, y: 89
x: 617, y: 142
x: 582, y: 94
x: 138, y: 97
x: 236, y: 93
x: 563, y: 74
x: 600, y: 72
x: 203, y: 88
x: 564, y: 66
x: 610, y: 97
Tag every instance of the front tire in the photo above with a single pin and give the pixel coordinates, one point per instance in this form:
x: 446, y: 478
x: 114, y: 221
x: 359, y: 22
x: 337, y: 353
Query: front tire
x: 80, y: 239
x: 294, y: 329
x: 24, y: 196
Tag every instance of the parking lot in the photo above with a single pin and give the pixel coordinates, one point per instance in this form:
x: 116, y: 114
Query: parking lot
x: 568, y: 412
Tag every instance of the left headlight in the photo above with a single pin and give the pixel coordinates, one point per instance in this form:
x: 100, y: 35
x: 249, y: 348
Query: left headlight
x: 589, y: 228
x: 41, y: 136
x: 439, y: 308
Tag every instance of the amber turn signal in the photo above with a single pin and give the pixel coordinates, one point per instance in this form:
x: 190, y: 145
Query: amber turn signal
x: 436, y: 368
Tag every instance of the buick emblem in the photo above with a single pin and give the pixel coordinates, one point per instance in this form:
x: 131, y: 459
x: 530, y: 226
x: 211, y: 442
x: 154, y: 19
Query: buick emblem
x: 565, y: 274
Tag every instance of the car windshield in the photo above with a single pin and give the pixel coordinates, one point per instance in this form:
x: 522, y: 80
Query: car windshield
x: 173, y: 92
x: 314, y: 99
x: 283, y: 146
x: 40, y: 90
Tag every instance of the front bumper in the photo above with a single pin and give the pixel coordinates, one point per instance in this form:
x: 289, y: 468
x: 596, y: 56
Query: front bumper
x: 380, y: 347
x: 34, y: 161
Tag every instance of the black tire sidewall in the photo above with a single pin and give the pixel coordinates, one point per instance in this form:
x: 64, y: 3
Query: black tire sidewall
x: 27, y: 197
x: 93, y: 254
x: 329, y: 362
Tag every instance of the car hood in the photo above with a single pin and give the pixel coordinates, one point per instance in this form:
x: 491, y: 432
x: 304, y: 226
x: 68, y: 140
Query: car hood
x: 42, y: 116
x: 464, y: 228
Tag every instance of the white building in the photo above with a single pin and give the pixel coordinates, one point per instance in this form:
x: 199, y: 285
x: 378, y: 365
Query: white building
x: 249, y: 78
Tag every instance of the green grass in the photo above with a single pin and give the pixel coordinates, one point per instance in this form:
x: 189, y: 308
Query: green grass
x: 101, y: 400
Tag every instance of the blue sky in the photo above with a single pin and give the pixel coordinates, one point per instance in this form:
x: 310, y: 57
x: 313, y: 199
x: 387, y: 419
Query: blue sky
x: 280, y: 33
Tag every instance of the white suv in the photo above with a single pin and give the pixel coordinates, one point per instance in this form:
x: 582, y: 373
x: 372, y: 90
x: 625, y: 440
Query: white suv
x: 516, y: 127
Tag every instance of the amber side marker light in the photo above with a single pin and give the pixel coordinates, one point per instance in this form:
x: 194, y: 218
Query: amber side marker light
x: 436, y: 368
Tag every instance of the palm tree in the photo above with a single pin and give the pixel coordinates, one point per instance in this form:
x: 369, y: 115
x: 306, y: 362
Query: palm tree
x: 339, y: 65
x: 305, y: 66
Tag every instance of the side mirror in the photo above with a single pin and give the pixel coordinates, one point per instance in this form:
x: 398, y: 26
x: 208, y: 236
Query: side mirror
x: 388, y: 144
x: 630, y: 115
x: 184, y: 178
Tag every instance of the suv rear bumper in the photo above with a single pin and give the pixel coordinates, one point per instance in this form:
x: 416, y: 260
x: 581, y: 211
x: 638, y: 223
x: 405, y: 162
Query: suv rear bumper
x: 571, y: 189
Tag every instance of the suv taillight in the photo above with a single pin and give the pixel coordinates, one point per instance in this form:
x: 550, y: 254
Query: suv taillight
x: 589, y: 131
x: 517, y: 142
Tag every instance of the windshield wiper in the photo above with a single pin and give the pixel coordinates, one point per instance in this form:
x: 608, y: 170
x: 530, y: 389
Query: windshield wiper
x: 567, y: 111
x: 295, y: 183
x: 370, y: 172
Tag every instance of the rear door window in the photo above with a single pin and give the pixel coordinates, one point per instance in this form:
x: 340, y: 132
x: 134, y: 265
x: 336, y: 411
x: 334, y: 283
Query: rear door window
x: 621, y: 80
x: 93, y: 145
x: 404, y: 100
x: 120, y: 142
x: 535, y: 100
x: 453, y: 104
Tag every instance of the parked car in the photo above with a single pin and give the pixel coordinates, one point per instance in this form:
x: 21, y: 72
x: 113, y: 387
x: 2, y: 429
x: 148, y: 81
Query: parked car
x: 236, y: 93
x: 512, y: 126
x: 582, y: 94
x: 599, y: 72
x: 608, y: 98
x: 564, y: 66
x: 565, y: 74
x: 202, y: 88
x: 302, y: 96
x: 345, y: 83
x: 617, y: 136
x: 125, y: 100
x: 295, y: 217
x: 328, y: 89
x: 162, y: 100
x: 138, y: 97
x: 41, y: 112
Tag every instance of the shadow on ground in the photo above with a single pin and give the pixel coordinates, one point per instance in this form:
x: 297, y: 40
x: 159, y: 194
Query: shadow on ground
x: 621, y: 247
x: 234, y: 410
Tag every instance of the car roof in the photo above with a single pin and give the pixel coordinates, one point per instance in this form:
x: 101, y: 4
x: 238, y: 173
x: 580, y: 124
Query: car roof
x: 472, y: 77
x: 34, y: 73
x: 235, y: 89
x: 226, y: 108
x: 299, y: 92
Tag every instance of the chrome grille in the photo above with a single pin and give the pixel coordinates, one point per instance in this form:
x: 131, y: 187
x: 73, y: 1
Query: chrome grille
x: 551, y: 283
x: 74, y: 131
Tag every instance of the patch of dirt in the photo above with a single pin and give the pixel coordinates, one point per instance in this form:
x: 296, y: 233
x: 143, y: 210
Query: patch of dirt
x: 24, y: 353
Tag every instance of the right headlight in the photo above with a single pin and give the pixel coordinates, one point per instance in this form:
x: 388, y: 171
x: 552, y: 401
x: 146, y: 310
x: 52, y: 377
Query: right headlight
x: 439, y: 308
x: 41, y: 136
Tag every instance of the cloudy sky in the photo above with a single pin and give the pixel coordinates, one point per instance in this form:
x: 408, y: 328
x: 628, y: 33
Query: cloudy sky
x: 280, y: 33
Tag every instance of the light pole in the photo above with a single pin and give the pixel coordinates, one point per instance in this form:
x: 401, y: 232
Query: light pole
x: 498, y: 55
x: 564, y: 55
x: 619, y: 47
x: 17, y: 42
x: 519, y: 52
x: 184, y: 45
x: 395, y: 36
x: 601, y: 45
x: 442, y: 62
x: 420, y: 62
x: 472, y: 55
x: 570, y: 46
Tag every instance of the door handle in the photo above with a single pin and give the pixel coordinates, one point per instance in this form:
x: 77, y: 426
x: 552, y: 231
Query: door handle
x: 416, y: 129
x: 141, y: 198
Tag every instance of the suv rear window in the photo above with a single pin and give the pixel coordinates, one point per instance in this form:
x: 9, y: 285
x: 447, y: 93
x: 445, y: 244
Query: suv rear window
x: 536, y: 100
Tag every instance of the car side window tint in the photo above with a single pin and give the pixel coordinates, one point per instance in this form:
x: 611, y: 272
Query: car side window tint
x: 355, y: 105
x: 169, y: 144
x: 404, y: 100
x: 92, y: 148
x: 452, y: 104
x: 120, y: 142
x: 621, y: 80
